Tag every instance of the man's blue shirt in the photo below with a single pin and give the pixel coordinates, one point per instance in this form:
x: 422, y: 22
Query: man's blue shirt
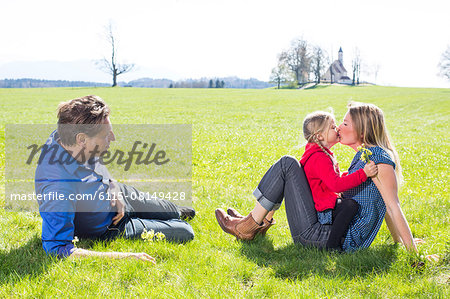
x: 74, y: 198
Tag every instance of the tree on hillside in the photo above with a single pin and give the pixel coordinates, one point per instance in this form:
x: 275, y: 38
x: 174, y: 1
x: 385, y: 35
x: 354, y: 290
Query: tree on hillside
x: 297, y: 59
x: 356, y: 67
x: 279, y: 75
x: 376, y: 70
x: 111, y: 65
x: 211, y: 84
x: 318, y: 60
x: 444, y: 64
x: 220, y: 84
x: 371, y: 70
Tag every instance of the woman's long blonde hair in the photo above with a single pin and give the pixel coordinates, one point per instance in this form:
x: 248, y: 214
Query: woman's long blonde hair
x: 368, y: 121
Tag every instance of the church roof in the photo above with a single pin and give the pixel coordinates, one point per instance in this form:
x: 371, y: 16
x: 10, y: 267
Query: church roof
x: 338, y: 67
x: 340, y: 49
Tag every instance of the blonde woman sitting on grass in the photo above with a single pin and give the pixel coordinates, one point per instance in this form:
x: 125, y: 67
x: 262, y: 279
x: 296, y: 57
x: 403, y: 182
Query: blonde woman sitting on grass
x: 377, y: 198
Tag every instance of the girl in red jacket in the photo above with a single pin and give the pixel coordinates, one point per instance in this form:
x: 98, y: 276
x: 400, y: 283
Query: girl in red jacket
x: 324, y: 178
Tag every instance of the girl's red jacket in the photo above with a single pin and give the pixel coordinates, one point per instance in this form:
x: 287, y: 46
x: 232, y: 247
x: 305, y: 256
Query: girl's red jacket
x: 324, y: 180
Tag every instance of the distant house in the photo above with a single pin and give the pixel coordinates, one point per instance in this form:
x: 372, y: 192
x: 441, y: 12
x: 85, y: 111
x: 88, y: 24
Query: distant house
x: 337, y: 73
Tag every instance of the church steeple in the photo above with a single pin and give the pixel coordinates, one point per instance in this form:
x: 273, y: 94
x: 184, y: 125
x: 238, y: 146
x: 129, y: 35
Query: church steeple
x: 341, y: 55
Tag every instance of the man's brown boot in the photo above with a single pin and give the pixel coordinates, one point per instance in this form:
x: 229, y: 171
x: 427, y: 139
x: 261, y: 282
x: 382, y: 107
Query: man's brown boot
x: 242, y: 228
x: 264, y: 227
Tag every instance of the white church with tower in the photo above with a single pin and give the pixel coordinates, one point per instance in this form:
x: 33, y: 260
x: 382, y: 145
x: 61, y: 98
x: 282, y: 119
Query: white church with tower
x: 337, y: 73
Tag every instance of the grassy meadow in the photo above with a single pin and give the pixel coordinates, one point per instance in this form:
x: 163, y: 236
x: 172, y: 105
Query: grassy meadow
x: 237, y: 135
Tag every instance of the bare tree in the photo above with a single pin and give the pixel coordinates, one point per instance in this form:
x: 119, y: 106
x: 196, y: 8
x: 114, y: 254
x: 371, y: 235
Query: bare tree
x: 444, y: 64
x: 279, y: 75
x: 376, y: 70
x: 318, y: 62
x: 111, y: 66
x: 356, y: 67
x: 371, y: 70
x: 297, y: 59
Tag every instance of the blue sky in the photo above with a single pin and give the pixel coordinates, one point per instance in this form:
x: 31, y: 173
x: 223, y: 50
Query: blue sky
x: 196, y: 38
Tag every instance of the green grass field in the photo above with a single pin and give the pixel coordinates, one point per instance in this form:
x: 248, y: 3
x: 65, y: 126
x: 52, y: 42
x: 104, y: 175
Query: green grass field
x: 237, y: 135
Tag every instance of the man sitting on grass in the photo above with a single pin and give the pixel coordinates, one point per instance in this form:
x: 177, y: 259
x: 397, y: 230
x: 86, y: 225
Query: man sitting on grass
x: 84, y: 133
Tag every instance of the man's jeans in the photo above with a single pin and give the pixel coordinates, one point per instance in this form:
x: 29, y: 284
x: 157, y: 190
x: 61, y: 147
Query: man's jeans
x: 144, y: 213
x: 286, y: 179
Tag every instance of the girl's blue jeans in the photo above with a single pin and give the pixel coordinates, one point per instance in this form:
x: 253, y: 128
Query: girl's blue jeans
x: 286, y: 180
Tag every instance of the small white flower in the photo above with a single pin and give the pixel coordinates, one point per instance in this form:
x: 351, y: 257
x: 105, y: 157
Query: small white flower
x: 75, y: 240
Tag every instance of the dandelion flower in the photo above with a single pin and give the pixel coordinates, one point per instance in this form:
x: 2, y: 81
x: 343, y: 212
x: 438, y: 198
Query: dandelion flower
x: 365, y: 153
x: 160, y: 236
x: 75, y: 240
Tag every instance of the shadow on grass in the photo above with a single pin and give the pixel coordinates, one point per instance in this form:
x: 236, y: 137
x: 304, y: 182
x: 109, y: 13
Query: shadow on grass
x: 26, y: 260
x: 317, y: 87
x: 295, y: 261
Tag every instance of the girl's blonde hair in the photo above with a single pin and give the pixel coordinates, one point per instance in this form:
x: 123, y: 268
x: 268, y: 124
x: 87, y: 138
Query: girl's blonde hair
x: 316, y: 123
x: 368, y: 121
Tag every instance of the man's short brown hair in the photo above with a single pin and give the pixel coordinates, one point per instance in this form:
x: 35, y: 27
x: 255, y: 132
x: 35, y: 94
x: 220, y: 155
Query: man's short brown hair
x: 82, y: 115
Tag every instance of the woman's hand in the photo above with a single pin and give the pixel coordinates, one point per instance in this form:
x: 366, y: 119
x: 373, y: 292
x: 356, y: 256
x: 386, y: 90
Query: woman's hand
x: 418, y: 241
x: 371, y: 169
x: 430, y: 257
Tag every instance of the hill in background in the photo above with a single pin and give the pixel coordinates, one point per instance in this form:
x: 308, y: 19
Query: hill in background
x: 37, y: 83
x: 229, y: 82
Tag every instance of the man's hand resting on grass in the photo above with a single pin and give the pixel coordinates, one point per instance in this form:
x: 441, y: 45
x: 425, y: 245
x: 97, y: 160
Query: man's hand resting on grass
x: 142, y: 256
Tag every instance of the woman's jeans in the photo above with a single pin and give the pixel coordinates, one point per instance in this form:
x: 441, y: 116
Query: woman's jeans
x: 146, y: 213
x: 286, y: 179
